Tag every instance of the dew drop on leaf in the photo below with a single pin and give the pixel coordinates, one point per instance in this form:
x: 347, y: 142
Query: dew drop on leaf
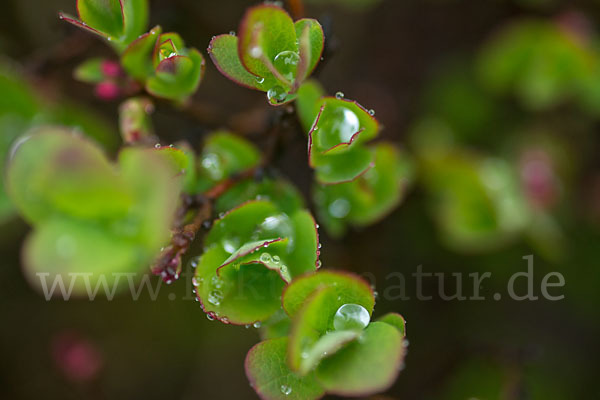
x: 266, y: 258
x: 276, y: 259
x: 257, y: 324
x: 212, y: 164
x: 371, y: 112
x: 286, y: 390
x: 339, y: 95
x: 341, y: 123
x: 339, y: 208
x: 286, y: 63
x: 351, y: 316
x: 276, y: 94
x: 215, y: 297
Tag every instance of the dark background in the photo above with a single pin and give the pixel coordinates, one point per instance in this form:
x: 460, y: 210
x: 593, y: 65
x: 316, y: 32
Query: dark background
x: 383, y: 56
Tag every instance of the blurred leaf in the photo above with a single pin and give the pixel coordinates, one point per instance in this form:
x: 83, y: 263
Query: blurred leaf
x: 223, y: 155
x: 279, y: 191
x: 536, y: 61
x: 90, y: 71
x: 369, y: 197
x: 90, y: 217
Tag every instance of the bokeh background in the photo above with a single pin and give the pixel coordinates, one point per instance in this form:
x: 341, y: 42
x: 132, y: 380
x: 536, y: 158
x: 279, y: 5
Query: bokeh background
x: 510, y: 87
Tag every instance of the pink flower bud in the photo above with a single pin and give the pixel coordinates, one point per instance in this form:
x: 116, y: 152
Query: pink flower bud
x: 111, y: 69
x: 107, y: 91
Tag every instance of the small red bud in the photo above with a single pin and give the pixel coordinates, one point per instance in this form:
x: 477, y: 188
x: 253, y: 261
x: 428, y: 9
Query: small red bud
x: 107, y: 91
x: 111, y: 69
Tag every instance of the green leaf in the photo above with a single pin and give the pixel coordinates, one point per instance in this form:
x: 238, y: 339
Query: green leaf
x: 103, y: 15
x: 90, y: 71
x: 269, y: 31
x: 90, y: 216
x: 223, y: 50
x: 369, y: 197
x: 177, y: 77
x: 348, y: 287
x: 279, y: 191
x: 477, y: 201
x: 242, y: 293
x: 252, y: 252
x: 396, y: 320
x: 327, y: 345
x: 73, y: 177
x: 342, y: 167
x: 312, y: 302
x: 137, y: 57
x: 536, y: 61
x: 311, y: 43
x: 135, y: 17
x: 335, y: 139
x: 365, y: 366
x: 271, y: 378
x: 134, y: 120
x: 341, y: 123
x: 307, y: 103
x: 64, y: 248
x: 224, y: 154
x: 277, y: 326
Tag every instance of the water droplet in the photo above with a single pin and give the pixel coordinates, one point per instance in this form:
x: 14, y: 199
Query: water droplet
x: 157, y: 146
x: 341, y: 124
x: 225, y: 320
x: 405, y: 343
x: 255, y: 52
x: 212, y: 164
x: 339, y: 208
x: 215, y: 297
x: 339, y: 95
x: 286, y: 390
x: 247, y: 326
x: 371, y: 112
x: 318, y: 264
x: 210, y: 317
x: 171, y: 146
x: 230, y: 245
x: 257, y: 324
x: 276, y: 94
x: 195, y: 281
x: 286, y: 63
x: 351, y: 316
x: 266, y: 258
x: 194, y: 262
x: 216, y: 282
x: 260, y: 80
x: 232, y: 33
x: 319, y: 246
x: 276, y: 259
